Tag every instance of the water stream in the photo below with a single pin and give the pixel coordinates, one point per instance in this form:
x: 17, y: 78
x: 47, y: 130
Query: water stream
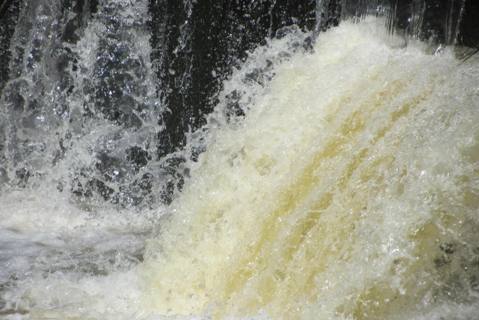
x: 336, y: 177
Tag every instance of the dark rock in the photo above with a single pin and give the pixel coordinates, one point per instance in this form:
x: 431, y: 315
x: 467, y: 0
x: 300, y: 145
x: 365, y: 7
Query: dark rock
x: 195, y: 48
x: 469, y: 29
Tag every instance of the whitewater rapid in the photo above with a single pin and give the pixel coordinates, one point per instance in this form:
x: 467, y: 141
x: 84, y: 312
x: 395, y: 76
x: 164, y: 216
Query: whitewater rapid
x: 348, y: 190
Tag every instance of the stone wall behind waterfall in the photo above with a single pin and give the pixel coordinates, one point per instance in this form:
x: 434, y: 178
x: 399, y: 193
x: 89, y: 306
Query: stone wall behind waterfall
x: 196, y: 44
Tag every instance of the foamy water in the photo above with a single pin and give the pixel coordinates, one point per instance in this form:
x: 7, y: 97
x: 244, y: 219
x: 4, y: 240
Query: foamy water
x: 349, y: 190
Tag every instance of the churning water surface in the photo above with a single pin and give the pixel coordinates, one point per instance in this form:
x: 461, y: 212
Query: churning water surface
x: 348, y: 190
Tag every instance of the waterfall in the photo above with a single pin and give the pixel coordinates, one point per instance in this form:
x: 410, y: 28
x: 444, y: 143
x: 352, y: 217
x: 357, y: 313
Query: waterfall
x: 164, y: 159
x: 334, y: 198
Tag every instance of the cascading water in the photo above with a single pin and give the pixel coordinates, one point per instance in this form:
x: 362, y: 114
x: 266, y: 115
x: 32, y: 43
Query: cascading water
x: 336, y: 178
x: 337, y: 198
x: 79, y: 123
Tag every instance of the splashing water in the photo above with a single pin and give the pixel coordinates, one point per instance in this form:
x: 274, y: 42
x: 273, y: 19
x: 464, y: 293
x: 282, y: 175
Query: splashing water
x: 348, y: 190
x: 63, y: 154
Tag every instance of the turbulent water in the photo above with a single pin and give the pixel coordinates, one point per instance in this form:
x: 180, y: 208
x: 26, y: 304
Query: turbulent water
x: 349, y: 189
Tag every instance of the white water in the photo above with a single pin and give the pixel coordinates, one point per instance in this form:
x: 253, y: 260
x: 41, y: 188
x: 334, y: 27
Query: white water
x: 349, y: 191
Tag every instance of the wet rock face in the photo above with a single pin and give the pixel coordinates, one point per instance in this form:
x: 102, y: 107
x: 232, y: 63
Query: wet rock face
x: 9, y: 10
x: 437, y: 21
x: 196, y: 44
x: 441, y: 21
x: 469, y: 29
